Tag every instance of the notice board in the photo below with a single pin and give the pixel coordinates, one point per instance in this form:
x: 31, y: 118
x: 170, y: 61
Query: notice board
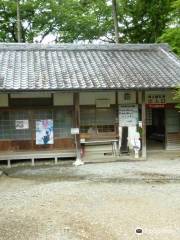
x: 128, y: 115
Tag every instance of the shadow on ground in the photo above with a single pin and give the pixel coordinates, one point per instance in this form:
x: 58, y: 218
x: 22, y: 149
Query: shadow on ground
x: 117, y: 172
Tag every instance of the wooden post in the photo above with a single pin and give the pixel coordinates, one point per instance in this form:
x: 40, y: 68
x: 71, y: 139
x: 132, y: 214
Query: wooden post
x: 137, y: 97
x: 117, y: 115
x: 56, y: 160
x: 144, y: 154
x: 32, y: 162
x: 77, y: 125
x: 165, y: 126
x: 31, y: 127
x: 9, y: 163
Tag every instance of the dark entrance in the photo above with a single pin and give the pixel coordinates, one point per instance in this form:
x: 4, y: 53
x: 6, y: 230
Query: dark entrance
x: 156, y: 128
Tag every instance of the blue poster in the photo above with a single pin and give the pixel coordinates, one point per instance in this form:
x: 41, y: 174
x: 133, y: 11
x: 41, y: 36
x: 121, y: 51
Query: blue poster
x: 44, y: 132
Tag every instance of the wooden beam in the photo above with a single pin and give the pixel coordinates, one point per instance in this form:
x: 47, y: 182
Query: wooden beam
x: 144, y: 153
x: 165, y: 126
x: 77, y: 122
x: 137, y: 97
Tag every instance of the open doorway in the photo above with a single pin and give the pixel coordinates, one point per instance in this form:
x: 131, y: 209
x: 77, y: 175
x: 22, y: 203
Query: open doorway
x: 155, y: 128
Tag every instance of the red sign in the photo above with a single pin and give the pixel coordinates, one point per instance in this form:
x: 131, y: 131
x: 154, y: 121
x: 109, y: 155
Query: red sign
x: 156, y: 105
x: 170, y: 105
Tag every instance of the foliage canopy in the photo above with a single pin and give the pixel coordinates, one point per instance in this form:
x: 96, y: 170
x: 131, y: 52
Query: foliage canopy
x: 139, y: 21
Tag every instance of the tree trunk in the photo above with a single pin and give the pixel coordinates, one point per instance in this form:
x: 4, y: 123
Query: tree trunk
x: 18, y: 22
x: 114, y: 13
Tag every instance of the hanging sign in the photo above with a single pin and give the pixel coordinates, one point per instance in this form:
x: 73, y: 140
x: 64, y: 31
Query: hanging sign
x: 44, y: 132
x: 21, y: 124
x: 128, y: 115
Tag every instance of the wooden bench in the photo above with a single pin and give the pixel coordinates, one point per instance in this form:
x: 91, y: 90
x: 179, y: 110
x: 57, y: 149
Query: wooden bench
x: 112, y: 142
x: 33, y: 155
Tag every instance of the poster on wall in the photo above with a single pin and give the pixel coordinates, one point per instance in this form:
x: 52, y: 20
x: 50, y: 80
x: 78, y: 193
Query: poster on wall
x: 44, y: 132
x: 21, y: 124
x: 128, y: 115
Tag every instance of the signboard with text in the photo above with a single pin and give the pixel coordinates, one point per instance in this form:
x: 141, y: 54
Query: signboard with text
x: 155, y: 98
x: 74, y: 131
x: 128, y: 115
x: 21, y: 124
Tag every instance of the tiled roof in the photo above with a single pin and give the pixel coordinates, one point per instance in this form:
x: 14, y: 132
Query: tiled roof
x: 69, y: 66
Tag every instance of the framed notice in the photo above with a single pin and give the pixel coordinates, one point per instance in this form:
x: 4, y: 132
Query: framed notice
x: 21, y: 124
x: 128, y: 115
x: 44, y: 132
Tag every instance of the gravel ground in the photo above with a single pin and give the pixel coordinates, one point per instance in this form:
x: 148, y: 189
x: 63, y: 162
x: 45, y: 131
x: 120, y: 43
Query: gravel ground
x: 96, y: 201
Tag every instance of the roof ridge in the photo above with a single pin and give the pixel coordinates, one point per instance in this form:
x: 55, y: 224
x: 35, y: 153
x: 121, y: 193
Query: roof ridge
x: 70, y: 46
x: 172, y: 56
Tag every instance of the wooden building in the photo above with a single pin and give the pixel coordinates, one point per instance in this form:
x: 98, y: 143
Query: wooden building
x: 83, y: 86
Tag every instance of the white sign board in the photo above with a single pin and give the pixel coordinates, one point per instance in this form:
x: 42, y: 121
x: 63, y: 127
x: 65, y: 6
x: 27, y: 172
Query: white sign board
x: 74, y: 131
x: 21, y: 124
x: 128, y: 115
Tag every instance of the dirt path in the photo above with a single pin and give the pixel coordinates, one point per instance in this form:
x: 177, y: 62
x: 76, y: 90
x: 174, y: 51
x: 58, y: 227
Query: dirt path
x: 37, y: 206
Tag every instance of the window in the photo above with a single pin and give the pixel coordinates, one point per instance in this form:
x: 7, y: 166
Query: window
x: 62, y: 123
x: 103, y: 120
x: 62, y: 120
x: 127, y: 96
x: 88, y: 119
x: 8, y: 125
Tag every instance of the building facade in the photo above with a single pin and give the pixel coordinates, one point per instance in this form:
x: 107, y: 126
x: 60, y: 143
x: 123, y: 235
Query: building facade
x: 45, y: 91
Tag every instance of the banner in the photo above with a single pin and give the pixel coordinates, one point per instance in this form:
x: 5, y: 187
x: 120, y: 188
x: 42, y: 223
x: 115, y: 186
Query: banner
x: 44, y: 132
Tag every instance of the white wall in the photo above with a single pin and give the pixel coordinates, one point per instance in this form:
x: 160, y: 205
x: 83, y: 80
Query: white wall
x: 63, y: 99
x: 4, y: 100
x: 121, y: 99
x: 31, y: 95
x: 89, y: 98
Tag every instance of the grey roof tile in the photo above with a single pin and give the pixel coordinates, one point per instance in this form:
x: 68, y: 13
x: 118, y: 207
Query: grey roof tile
x: 69, y: 66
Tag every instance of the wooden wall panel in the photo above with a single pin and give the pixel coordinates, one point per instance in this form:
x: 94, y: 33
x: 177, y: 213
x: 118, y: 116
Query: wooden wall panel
x: 26, y: 145
x: 42, y: 147
x: 5, y: 145
x: 66, y: 143
x: 20, y: 145
x: 173, y: 141
x: 62, y: 144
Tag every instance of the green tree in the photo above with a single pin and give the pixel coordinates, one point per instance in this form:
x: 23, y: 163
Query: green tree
x: 80, y: 20
x: 139, y: 21
x: 143, y: 21
x: 172, y: 34
x: 67, y: 20
x: 35, y: 17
